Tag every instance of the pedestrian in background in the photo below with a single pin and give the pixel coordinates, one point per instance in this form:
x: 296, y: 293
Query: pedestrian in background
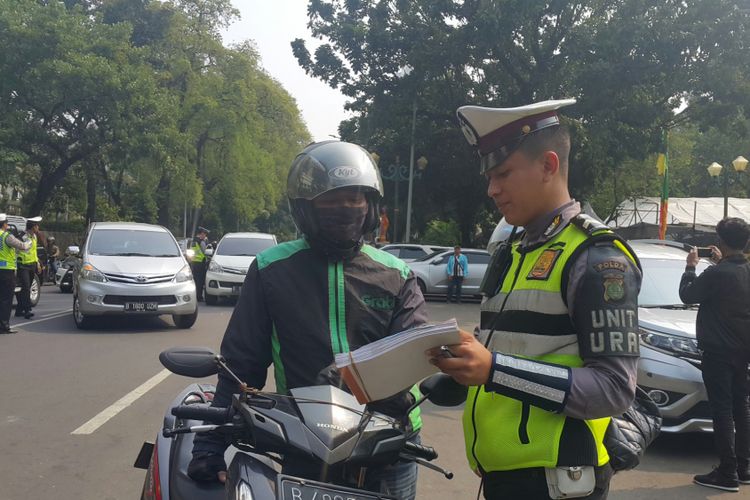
x: 28, y: 266
x: 8, y: 246
x: 723, y: 331
x: 457, y: 269
x: 198, y: 262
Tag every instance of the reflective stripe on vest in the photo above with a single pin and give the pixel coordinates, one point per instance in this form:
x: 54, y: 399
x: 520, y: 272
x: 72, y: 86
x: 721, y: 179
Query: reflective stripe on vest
x: 503, y: 433
x: 7, y: 253
x: 29, y: 256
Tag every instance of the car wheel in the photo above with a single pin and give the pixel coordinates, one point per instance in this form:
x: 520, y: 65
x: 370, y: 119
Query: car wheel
x: 211, y: 300
x: 35, y: 290
x: 422, y: 286
x: 185, y: 320
x: 82, y: 322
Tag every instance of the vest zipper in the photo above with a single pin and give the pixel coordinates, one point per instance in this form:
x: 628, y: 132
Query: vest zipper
x: 489, y: 338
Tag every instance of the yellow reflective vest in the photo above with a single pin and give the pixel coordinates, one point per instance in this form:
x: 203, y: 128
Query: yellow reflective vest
x: 7, y: 253
x: 29, y: 257
x: 502, y: 433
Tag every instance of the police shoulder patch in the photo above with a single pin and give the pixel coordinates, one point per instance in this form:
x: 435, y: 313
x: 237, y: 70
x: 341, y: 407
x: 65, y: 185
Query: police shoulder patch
x: 544, y: 264
x: 614, y: 287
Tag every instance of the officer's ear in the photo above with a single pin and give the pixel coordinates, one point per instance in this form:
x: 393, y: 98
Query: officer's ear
x: 551, y: 165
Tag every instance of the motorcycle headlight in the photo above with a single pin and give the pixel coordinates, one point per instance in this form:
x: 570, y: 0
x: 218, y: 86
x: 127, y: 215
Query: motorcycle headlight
x: 214, y: 267
x: 244, y: 492
x: 184, y: 275
x: 90, y: 273
x: 672, y: 344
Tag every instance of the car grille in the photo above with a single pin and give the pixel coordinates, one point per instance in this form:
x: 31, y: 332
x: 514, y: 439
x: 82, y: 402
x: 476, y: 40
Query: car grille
x: 228, y: 284
x: 701, y: 410
x: 139, y: 279
x: 119, y: 300
x: 235, y: 270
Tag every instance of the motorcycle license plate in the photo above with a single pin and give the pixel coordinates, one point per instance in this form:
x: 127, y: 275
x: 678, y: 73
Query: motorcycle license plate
x: 294, y: 488
x: 141, y: 306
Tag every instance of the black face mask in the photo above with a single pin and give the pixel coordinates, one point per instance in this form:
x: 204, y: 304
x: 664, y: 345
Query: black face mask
x: 341, y: 226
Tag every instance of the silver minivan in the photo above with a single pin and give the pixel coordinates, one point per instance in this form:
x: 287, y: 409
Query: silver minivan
x: 133, y: 269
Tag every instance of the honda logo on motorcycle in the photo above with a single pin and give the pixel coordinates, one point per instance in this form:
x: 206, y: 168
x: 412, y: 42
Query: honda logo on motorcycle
x: 344, y: 173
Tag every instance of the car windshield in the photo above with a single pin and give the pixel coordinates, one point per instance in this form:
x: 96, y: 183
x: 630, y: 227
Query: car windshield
x: 132, y: 243
x: 661, y: 282
x: 243, y: 246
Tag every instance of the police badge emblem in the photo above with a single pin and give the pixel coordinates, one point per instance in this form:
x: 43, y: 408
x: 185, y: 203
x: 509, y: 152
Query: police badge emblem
x: 544, y: 264
x: 614, y: 287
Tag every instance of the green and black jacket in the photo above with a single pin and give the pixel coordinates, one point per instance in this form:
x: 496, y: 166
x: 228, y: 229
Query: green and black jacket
x: 297, y: 309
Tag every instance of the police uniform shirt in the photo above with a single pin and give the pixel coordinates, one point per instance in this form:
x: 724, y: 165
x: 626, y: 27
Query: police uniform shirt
x: 606, y: 384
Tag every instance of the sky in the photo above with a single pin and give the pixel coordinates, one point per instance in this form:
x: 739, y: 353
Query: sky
x: 273, y: 24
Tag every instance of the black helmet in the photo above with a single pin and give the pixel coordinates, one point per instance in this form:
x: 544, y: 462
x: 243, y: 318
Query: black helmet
x: 325, y: 166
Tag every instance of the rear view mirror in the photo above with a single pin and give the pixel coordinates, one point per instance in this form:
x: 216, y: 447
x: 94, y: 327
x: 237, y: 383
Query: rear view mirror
x: 195, y: 362
x: 442, y: 390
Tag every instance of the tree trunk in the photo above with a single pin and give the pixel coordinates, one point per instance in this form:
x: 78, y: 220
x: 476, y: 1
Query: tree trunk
x: 163, y: 199
x: 90, y: 194
x: 48, y: 181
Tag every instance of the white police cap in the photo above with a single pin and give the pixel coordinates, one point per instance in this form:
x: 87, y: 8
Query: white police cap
x: 3, y: 218
x: 497, y: 132
x: 38, y: 218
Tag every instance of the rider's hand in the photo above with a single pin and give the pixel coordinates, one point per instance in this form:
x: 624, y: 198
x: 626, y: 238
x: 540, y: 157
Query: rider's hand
x: 207, y: 468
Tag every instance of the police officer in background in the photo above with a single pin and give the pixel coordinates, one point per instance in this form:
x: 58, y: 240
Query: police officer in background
x: 8, y: 246
x: 28, y: 266
x: 558, y: 347
x: 198, y: 263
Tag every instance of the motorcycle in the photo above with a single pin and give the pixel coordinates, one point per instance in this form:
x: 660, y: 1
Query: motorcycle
x: 321, y: 430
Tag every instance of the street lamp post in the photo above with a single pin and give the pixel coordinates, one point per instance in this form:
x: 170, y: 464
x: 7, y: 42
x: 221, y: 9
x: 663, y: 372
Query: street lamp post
x: 421, y: 165
x: 715, y: 169
x: 400, y: 173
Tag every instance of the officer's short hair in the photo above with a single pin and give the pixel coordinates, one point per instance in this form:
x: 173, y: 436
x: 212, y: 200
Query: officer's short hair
x: 734, y: 232
x: 555, y: 139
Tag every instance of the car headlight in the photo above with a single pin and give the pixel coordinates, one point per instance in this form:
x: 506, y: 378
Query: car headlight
x: 184, y: 275
x: 90, y: 273
x: 214, y: 267
x: 244, y: 492
x: 673, y: 344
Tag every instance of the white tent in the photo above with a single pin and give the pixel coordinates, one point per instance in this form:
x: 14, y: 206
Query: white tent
x: 702, y: 213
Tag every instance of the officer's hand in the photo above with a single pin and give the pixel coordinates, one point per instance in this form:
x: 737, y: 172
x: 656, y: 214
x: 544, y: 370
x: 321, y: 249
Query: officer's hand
x: 692, y: 257
x: 207, y: 468
x: 471, y: 363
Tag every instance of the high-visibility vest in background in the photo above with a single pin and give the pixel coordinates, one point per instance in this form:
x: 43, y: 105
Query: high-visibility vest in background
x: 29, y: 256
x: 7, y: 253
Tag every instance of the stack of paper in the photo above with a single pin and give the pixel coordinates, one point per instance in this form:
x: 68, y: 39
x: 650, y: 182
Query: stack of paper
x: 394, y: 363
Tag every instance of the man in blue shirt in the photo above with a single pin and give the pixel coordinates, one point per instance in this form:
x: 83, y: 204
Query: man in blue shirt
x: 456, y: 273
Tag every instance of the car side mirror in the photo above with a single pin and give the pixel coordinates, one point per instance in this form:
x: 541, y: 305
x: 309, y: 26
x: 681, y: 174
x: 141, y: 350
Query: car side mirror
x: 435, y: 262
x: 209, y: 252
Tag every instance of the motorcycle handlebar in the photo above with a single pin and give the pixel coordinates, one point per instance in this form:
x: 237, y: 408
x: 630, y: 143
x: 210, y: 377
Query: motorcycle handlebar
x: 419, y: 451
x: 205, y: 413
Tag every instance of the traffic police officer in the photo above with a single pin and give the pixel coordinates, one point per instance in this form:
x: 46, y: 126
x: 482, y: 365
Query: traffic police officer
x: 8, y: 246
x: 28, y: 266
x: 198, y: 262
x: 558, y: 346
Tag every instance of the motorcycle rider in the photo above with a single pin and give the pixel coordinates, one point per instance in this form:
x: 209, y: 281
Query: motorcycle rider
x: 306, y: 300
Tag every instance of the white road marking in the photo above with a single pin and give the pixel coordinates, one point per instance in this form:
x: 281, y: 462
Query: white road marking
x: 121, y: 404
x: 58, y: 314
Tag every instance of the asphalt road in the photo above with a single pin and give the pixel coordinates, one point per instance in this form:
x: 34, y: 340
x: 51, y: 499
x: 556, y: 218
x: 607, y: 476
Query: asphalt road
x: 75, y: 411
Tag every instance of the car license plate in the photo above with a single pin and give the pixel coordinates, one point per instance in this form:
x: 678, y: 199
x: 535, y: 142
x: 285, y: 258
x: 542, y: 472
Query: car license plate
x: 294, y: 488
x: 141, y: 306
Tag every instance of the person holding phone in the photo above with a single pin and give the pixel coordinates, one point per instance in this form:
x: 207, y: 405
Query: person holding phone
x: 723, y: 331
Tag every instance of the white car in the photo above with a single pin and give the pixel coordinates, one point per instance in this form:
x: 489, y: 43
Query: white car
x: 409, y: 253
x: 132, y: 269
x: 669, y: 367
x: 230, y: 262
x: 432, y: 278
